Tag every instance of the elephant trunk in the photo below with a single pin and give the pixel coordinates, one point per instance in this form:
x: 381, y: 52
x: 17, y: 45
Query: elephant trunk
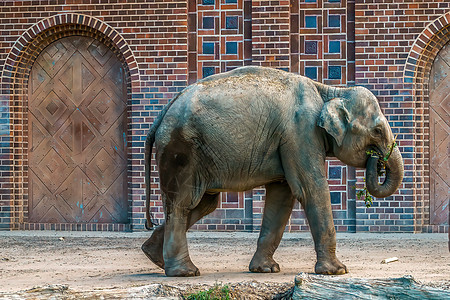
x: 394, y: 175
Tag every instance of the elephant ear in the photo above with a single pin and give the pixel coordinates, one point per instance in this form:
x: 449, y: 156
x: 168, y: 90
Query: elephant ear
x: 334, y: 118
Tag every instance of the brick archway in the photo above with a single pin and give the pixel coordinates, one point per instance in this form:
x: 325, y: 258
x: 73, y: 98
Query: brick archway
x: 417, y: 72
x: 15, y: 79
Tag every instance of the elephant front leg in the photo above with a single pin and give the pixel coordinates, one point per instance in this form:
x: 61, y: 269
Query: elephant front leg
x: 317, y: 206
x: 305, y: 174
x: 277, y: 209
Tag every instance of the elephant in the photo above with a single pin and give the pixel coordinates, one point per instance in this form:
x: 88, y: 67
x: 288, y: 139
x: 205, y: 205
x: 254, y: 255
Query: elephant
x: 255, y: 126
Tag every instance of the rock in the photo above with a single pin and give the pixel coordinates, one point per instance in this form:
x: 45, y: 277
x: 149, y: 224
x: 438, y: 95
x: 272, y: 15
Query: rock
x: 338, y: 287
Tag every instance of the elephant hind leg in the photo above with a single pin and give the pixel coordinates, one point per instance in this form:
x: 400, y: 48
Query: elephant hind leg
x: 153, y: 247
x: 277, y: 209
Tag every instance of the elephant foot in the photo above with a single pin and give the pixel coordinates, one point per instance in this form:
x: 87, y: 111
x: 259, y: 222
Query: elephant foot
x: 186, y: 270
x: 153, y: 247
x: 261, y: 264
x: 330, y: 267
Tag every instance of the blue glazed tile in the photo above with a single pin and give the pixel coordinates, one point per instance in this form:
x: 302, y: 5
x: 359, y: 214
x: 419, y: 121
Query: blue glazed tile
x: 310, y: 21
x: 207, y: 71
x: 335, y: 197
x: 234, y: 213
x: 311, y: 72
x: 137, y: 96
x: 5, y: 225
x: 311, y: 47
x: 405, y: 216
x: 208, y: 48
x: 230, y: 1
x: 339, y: 216
x: 334, y: 172
x: 208, y: 2
x: 334, y: 21
x: 334, y: 72
x: 409, y: 73
x: 334, y: 1
x: 310, y: 1
x: 231, y: 48
x: 231, y: 22
x: 349, y: 222
x: 208, y: 22
x: 334, y: 47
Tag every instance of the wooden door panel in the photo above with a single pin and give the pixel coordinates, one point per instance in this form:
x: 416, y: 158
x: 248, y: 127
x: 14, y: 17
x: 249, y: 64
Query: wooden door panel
x: 51, y: 105
x: 106, y: 207
x: 77, y: 121
x: 439, y: 192
x: 42, y: 200
x: 439, y: 137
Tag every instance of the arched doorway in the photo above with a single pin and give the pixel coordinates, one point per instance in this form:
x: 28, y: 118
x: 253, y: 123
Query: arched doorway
x: 439, y: 91
x: 77, y: 99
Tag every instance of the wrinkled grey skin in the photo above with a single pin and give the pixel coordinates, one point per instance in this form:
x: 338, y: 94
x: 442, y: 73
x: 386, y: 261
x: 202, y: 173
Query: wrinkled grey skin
x: 258, y: 126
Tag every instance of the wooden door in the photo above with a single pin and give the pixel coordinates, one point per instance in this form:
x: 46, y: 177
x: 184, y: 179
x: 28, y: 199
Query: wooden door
x: 439, y: 137
x: 77, y: 144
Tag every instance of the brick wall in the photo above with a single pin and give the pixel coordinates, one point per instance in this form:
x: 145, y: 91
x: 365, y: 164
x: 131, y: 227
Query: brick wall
x: 155, y: 36
x: 385, y: 32
x: 270, y: 34
x: 169, y: 44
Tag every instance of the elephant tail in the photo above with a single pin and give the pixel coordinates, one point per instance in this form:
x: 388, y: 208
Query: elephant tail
x: 149, y: 141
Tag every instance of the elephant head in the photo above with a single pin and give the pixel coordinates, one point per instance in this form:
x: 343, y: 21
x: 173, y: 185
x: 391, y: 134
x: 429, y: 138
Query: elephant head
x: 353, y: 118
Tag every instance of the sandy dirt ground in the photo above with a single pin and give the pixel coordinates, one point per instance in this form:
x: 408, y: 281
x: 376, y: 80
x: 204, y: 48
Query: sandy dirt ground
x: 94, y: 261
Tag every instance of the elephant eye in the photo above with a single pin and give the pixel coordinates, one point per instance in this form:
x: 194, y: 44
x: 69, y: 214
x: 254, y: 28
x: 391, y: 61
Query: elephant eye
x: 378, y: 131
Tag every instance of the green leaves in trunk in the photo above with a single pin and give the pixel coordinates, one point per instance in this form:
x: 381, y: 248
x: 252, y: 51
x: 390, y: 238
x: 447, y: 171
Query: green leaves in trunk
x: 381, y: 170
